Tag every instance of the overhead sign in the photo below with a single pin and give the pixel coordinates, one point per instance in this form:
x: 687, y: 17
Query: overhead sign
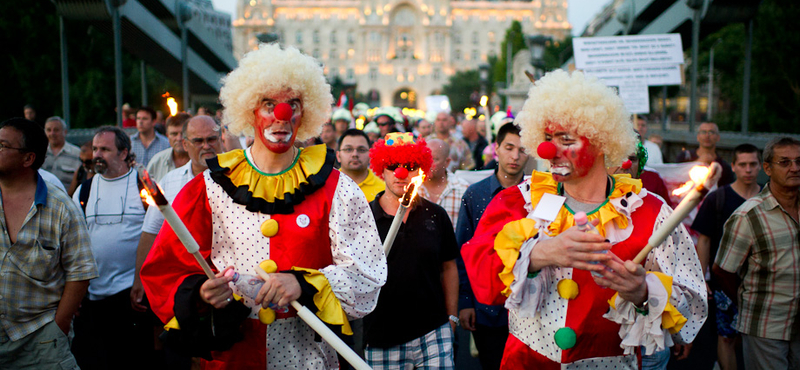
x: 636, y: 50
x: 653, y: 75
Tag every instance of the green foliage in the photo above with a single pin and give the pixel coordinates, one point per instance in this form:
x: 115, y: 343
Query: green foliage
x: 775, y: 71
x: 459, y: 88
x: 515, y: 36
x: 556, y: 53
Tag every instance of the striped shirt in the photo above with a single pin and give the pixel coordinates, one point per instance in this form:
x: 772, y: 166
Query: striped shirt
x: 450, y: 199
x: 761, y: 243
x: 52, y: 247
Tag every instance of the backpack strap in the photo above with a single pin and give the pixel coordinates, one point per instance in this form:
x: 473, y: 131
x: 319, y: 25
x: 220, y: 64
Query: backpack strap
x: 140, y: 185
x: 720, y: 204
x: 83, y: 196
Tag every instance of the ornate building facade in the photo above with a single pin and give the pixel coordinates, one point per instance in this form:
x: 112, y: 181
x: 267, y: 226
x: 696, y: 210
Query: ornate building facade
x: 396, y: 52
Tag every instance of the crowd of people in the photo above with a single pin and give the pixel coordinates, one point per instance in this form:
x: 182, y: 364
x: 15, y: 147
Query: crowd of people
x: 281, y: 181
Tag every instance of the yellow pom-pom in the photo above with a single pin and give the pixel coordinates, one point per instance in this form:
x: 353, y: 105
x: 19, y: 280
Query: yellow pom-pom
x: 269, y: 228
x: 568, y: 289
x: 266, y: 316
x: 269, y: 266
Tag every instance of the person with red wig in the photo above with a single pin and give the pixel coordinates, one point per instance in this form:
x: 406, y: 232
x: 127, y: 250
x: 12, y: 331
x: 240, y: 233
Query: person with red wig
x: 414, y: 321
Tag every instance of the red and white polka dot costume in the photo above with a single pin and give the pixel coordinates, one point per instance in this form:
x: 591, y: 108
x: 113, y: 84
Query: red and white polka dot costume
x: 540, y: 305
x: 324, y: 224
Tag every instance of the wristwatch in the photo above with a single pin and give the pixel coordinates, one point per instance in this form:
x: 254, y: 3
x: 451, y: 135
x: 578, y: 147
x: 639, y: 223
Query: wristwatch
x: 644, y: 310
x: 454, y: 319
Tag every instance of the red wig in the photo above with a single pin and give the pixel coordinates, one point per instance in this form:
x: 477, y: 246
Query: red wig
x: 399, y: 148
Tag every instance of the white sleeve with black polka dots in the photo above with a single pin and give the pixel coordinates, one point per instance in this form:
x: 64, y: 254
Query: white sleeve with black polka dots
x: 677, y: 257
x: 359, y: 264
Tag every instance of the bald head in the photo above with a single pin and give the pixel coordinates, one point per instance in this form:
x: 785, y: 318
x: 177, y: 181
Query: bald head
x: 469, y: 129
x: 440, y: 151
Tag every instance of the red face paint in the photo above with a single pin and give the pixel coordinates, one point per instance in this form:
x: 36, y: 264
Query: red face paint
x: 573, y: 158
x: 276, y: 122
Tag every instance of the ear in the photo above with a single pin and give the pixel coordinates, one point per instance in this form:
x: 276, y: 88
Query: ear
x: 30, y: 157
x: 767, y: 168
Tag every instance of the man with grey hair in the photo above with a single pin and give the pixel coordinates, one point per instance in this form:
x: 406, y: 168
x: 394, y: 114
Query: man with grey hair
x: 758, y: 262
x: 62, y: 158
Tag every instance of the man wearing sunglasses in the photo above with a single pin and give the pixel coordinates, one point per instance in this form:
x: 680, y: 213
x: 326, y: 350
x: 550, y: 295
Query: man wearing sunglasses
x: 759, y: 264
x: 422, y: 269
x: 273, y: 201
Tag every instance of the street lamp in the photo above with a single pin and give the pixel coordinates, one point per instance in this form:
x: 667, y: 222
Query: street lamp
x: 483, y: 74
x: 536, y: 44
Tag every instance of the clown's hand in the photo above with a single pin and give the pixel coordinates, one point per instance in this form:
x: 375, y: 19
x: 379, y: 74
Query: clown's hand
x: 572, y: 248
x: 626, y: 277
x: 217, y: 292
x: 280, y: 289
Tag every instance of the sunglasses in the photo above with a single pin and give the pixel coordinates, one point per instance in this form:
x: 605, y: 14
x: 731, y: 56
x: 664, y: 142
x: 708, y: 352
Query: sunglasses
x: 409, y: 166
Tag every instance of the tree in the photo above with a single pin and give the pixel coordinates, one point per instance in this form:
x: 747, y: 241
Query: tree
x: 459, y: 88
x: 556, y: 53
x: 515, y: 36
x: 775, y: 81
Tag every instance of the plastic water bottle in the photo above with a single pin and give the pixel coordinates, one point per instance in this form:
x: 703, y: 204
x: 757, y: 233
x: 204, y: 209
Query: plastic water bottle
x: 248, y: 285
x: 584, y: 225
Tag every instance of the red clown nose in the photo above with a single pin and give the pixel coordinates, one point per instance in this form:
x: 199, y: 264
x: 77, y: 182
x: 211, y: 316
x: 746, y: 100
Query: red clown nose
x: 283, y: 111
x: 627, y: 164
x: 400, y: 173
x: 546, y: 150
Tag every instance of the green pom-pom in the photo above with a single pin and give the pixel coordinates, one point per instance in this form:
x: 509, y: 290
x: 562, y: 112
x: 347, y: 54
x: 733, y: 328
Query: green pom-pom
x: 565, y: 338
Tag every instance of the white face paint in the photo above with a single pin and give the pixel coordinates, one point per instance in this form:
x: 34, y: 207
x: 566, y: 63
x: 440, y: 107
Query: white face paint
x: 561, y: 169
x: 277, y: 135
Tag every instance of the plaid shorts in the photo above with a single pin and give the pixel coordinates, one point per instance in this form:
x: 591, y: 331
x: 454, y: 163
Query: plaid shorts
x: 431, y: 351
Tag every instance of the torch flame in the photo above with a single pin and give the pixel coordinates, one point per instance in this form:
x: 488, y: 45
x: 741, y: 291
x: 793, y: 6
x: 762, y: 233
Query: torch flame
x: 145, y: 195
x: 147, y: 198
x: 417, y: 182
x: 698, y: 175
x: 413, y: 187
x: 173, y: 106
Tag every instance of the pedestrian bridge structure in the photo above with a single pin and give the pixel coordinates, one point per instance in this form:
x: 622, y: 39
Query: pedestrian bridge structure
x: 186, y: 40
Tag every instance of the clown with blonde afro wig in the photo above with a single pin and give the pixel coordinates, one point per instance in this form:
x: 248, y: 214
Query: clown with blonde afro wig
x: 581, y: 104
x: 268, y: 71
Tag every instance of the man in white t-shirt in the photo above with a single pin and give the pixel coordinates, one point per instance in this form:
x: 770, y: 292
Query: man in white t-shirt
x: 107, y: 329
x: 201, y: 139
x: 654, y: 155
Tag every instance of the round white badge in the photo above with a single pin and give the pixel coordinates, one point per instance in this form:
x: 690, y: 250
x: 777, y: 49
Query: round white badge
x: 303, y: 220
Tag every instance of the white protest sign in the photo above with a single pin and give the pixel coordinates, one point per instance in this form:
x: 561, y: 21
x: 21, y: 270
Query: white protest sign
x: 635, y: 96
x: 653, y: 75
x: 636, y: 50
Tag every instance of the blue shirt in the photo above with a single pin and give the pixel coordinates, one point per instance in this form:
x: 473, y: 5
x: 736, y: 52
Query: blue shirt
x: 473, y: 203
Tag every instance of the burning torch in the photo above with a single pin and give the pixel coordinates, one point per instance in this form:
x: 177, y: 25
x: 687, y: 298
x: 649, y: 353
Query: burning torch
x: 405, y: 204
x: 703, y: 178
x: 154, y: 196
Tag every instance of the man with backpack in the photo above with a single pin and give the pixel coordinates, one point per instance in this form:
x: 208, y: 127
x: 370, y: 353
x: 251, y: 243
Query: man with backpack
x: 716, y: 209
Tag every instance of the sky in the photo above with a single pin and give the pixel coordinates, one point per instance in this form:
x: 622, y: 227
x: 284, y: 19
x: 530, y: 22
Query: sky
x: 578, y: 14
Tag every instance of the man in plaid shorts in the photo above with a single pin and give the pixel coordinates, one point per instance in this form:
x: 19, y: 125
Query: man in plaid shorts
x: 412, y: 326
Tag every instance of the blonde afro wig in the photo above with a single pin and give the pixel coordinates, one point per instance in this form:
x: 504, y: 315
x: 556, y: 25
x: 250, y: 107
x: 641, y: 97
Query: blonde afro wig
x: 581, y: 104
x: 268, y: 71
